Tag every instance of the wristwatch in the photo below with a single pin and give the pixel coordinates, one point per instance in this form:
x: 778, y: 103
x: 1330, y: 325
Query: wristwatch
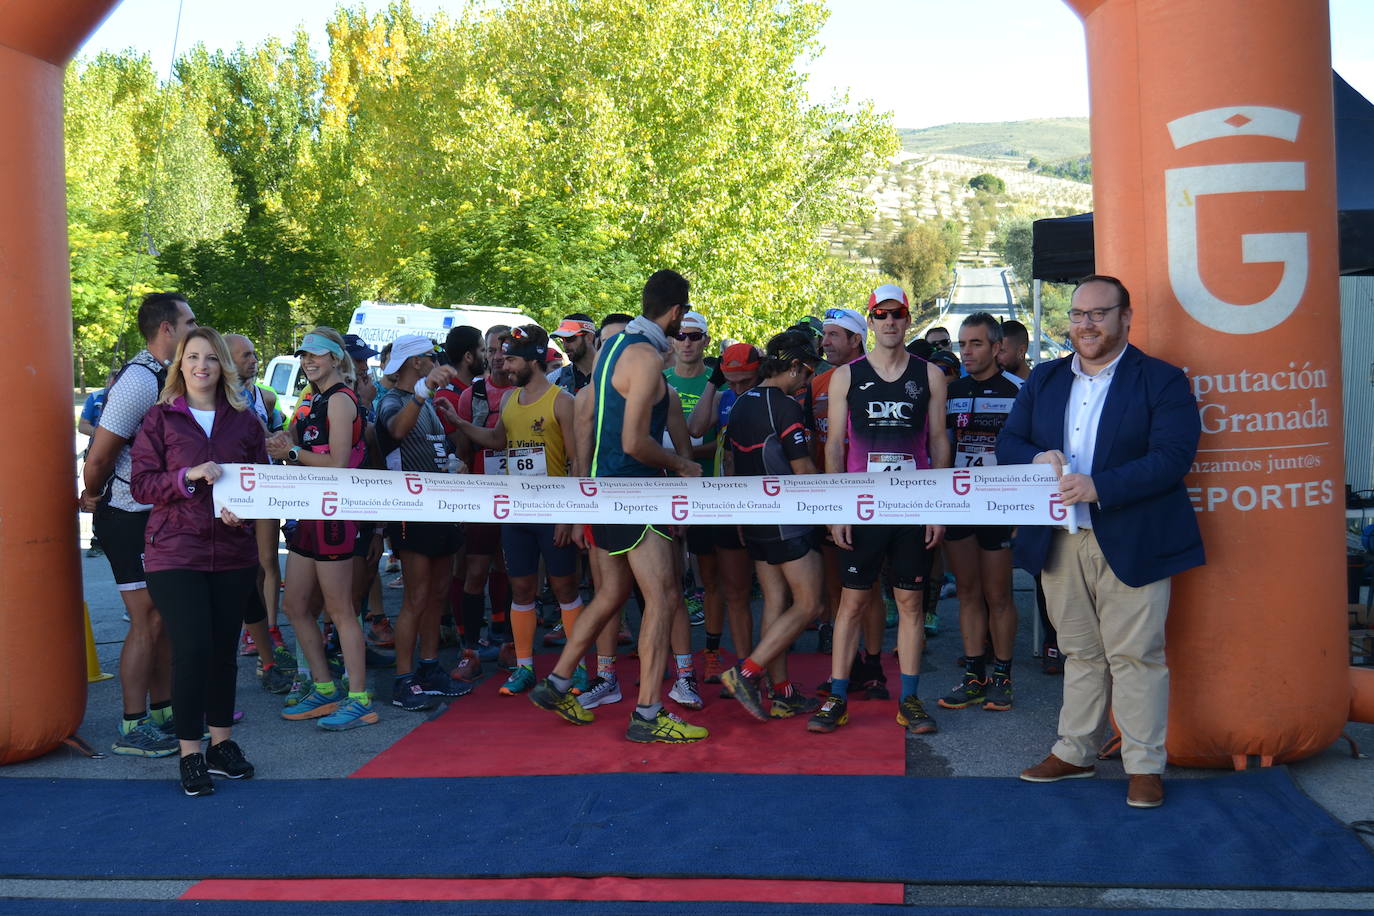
x: 293, y: 456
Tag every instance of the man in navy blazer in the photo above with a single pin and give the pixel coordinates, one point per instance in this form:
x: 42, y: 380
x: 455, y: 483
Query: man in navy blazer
x: 1122, y: 429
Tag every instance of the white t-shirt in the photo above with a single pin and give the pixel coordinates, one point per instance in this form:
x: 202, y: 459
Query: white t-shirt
x: 206, y: 419
x: 126, y: 403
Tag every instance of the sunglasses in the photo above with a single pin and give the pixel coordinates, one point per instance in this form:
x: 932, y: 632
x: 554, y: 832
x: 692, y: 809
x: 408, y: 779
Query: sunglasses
x: 898, y: 314
x: 834, y: 313
x: 693, y: 336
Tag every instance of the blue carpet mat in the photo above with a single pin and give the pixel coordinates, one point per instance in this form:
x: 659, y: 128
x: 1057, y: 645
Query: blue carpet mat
x: 1242, y: 830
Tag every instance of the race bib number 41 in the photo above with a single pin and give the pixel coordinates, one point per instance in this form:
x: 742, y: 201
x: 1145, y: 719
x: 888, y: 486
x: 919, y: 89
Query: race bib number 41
x: 883, y: 462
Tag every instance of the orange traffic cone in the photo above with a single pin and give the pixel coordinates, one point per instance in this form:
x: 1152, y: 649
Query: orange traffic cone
x: 93, y: 672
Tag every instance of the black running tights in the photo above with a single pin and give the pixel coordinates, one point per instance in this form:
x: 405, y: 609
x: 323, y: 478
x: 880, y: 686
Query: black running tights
x: 202, y: 612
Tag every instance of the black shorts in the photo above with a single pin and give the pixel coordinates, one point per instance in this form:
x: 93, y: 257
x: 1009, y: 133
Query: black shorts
x: 524, y: 544
x: 483, y: 539
x: 990, y: 537
x: 121, y: 535
x: 429, y: 539
x: 364, y: 541
x: 323, y: 541
x: 777, y: 553
x: 704, y: 540
x: 902, y: 546
x: 618, y: 539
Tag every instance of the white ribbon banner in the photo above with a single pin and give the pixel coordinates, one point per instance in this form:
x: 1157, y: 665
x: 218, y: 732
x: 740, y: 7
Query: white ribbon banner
x: 1016, y: 495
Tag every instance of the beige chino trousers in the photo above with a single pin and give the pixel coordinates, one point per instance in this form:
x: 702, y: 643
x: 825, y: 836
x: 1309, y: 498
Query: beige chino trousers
x: 1112, y: 639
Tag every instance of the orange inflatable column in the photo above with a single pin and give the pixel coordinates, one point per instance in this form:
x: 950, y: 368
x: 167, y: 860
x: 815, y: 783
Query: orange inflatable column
x: 42, y: 658
x: 1214, y: 187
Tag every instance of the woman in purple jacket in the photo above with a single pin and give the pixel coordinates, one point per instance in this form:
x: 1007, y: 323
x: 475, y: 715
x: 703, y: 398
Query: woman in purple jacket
x: 201, y: 569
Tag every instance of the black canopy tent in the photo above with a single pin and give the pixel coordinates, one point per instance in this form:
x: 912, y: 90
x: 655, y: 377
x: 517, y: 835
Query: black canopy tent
x: 1062, y: 249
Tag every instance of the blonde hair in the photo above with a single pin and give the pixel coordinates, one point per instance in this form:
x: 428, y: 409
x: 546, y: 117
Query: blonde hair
x: 175, y: 386
x: 344, y: 366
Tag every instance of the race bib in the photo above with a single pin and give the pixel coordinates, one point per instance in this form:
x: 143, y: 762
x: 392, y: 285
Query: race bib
x: 884, y: 462
x: 526, y: 462
x: 493, y: 461
x: 975, y: 458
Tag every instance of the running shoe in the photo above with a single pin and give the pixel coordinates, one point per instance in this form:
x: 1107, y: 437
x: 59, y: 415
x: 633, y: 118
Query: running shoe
x: 246, y: 644
x: 667, y: 728
x: 971, y: 691
x: 796, y: 704
x: 714, y: 666
x: 195, y: 776
x: 409, y: 694
x: 95, y: 550
x: 1051, y: 661
x: 999, y: 694
x: 392, y: 564
x: 283, y: 658
x: 581, y: 680
x: 825, y: 638
x: 145, y: 740
x: 555, y: 637
x: 696, y: 609
x: 275, y: 680
x: 437, y: 683
x: 469, y: 667
x: 226, y: 759
x: 521, y: 680
x: 685, y: 693
x: 380, y: 632
x: 833, y: 713
x: 352, y: 713
x: 489, y: 650
x: 932, y: 623
x: 912, y: 715
x: 745, y: 689
x: 336, y: 663
x: 506, y: 657
x: 300, y: 689
x: 601, y: 692
x: 546, y: 696
x: 313, y: 705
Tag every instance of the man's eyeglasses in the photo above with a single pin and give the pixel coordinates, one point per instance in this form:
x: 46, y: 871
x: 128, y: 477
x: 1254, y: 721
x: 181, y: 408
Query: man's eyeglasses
x: 834, y: 313
x: 900, y: 314
x: 939, y: 343
x: 693, y: 336
x: 1097, y: 316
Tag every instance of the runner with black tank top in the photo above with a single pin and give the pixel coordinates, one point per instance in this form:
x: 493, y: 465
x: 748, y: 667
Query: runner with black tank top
x: 320, y: 550
x: 632, y: 402
x: 892, y: 407
x: 980, y: 556
x: 766, y: 438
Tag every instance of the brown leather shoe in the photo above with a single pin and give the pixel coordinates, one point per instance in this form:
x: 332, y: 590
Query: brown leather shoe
x: 1145, y: 791
x: 1052, y: 769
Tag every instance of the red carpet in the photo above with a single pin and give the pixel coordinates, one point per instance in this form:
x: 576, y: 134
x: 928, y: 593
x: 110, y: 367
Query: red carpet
x: 486, y: 734
x: 683, y: 889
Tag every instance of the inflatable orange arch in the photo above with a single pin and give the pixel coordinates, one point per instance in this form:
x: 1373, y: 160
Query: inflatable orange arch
x: 1214, y: 194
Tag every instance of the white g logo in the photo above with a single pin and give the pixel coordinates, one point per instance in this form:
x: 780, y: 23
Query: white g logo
x: 1183, y: 186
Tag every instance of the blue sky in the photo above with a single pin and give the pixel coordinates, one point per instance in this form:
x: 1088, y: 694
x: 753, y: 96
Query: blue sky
x: 912, y: 57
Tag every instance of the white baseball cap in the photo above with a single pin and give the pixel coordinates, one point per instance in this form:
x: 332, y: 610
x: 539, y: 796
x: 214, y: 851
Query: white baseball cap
x: 403, y: 348
x: 694, y: 321
x: 849, y: 319
x: 888, y: 292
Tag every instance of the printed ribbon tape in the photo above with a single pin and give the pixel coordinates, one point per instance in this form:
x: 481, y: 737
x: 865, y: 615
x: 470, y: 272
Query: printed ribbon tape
x: 1012, y: 495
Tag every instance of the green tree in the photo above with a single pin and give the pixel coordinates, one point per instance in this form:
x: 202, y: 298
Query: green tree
x: 986, y: 181
x: 920, y: 257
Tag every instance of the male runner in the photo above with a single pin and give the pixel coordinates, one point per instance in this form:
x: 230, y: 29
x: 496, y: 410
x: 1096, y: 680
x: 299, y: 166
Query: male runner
x: 534, y: 429
x: 980, y: 555
x: 412, y: 438
x: 145, y: 662
x: 767, y: 437
x: 631, y: 416
x: 577, y: 333
x: 892, y: 406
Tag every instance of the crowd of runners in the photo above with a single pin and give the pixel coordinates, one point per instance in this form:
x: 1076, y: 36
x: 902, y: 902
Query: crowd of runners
x: 645, y: 395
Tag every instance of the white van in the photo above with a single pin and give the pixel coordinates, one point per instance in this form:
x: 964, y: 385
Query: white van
x: 379, y: 323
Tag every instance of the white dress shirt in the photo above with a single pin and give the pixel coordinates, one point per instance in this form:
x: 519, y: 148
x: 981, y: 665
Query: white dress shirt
x: 1087, y: 395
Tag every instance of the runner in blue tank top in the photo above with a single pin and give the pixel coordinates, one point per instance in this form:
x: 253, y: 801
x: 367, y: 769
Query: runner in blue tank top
x: 631, y: 414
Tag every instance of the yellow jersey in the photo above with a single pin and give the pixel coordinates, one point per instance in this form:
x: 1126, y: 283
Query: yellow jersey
x: 534, y: 440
